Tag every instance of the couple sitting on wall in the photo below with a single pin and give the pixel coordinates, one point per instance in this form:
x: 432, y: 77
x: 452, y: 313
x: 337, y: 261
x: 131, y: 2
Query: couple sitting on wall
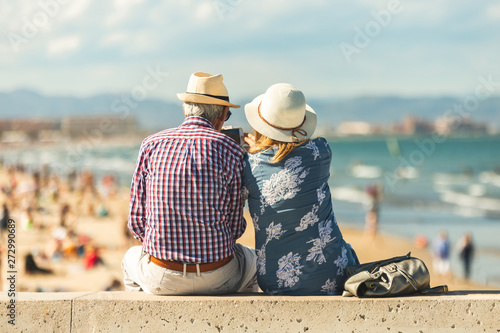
x: 189, y: 189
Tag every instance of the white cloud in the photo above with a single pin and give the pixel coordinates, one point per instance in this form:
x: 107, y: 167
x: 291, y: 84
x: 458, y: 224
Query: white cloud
x: 424, y: 12
x: 204, y: 10
x: 122, y: 10
x: 144, y: 41
x: 7, y: 14
x: 493, y: 11
x: 113, y: 39
x: 74, y: 9
x: 14, y: 16
x: 5, y: 54
x: 63, y: 45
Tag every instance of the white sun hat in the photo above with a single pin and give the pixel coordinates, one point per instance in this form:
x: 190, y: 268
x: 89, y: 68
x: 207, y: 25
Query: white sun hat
x: 281, y: 113
x: 206, y: 89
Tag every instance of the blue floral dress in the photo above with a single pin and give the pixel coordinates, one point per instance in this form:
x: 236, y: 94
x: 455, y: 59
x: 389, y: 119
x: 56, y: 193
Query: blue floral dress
x: 300, y: 249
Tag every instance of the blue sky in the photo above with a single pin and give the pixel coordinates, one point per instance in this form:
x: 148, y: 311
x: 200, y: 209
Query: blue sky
x: 87, y: 47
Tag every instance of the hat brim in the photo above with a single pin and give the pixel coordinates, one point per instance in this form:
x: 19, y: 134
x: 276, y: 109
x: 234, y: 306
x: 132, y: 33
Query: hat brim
x: 202, y: 99
x: 253, y: 118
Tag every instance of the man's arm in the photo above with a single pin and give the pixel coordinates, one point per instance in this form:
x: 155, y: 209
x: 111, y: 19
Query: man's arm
x: 238, y: 202
x: 136, y: 217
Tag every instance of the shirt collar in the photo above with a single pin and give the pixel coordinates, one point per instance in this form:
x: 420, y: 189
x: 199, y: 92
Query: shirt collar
x: 196, y: 122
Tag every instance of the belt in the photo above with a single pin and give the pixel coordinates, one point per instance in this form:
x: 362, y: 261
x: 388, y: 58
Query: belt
x: 190, y: 267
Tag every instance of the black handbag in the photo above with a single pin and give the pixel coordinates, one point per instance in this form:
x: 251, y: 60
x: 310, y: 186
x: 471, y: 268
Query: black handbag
x: 396, y: 276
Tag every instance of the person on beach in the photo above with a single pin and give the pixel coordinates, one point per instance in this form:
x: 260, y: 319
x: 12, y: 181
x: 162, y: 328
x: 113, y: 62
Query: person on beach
x: 441, y: 251
x: 372, y: 206
x: 4, y: 217
x: 300, y: 248
x: 466, y: 252
x: 186, y: 204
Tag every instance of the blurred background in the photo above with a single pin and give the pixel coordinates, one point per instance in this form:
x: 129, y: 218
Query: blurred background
x: 408, y: 95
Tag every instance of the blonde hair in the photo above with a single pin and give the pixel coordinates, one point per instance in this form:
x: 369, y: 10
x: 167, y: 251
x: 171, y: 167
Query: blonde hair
x: 263, y: 143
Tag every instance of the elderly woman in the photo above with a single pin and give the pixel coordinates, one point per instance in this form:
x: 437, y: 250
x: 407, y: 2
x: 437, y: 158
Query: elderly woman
x: 300, y: 249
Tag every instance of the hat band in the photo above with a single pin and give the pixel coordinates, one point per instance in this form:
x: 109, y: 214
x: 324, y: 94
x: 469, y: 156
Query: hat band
x: 297, y: 129
x: 224, y: 98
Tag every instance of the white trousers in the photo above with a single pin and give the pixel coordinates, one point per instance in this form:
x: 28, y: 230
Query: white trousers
x: 239, y: 275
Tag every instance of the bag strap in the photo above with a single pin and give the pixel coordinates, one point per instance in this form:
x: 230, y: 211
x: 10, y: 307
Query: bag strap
x: 435, y: 290
x: 373, y: 266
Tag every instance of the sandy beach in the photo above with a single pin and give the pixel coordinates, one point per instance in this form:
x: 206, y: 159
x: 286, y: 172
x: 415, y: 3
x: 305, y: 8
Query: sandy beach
x: 88, y: 227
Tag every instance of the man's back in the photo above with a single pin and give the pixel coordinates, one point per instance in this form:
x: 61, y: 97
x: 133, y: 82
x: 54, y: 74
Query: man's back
x: 191, y: 193
x: 186, y: 203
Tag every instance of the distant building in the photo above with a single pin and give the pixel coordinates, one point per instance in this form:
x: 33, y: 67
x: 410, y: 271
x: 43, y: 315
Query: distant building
x: 21, y: 130
x: 412, y: 126
x: 354, y: 128
x: 457, y: 125
x: 46, y: 131
x: 14, y: 137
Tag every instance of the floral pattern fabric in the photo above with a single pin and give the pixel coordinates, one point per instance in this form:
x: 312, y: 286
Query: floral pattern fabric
x: 300, y: 249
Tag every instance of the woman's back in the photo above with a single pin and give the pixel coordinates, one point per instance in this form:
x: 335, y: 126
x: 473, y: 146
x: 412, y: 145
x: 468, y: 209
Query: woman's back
x: 300, y: 249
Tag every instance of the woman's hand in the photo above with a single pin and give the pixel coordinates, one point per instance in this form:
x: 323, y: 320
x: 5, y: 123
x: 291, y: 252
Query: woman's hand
x: 250, y: 140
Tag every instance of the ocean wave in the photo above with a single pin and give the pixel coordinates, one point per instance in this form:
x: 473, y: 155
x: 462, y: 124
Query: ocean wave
x: 489, y: 177
x: 407, y: 172
x: 469, y: 212
x: 365, y: 171
x: 477, y: 190
x: 470, y: 201
x: 451, y: 179
x: 349, y: 194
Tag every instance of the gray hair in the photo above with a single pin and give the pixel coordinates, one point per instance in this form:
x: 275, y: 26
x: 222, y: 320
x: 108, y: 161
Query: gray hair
x: 210, y: 112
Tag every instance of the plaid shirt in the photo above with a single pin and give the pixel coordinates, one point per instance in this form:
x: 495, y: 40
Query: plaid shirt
x: 186, y: 202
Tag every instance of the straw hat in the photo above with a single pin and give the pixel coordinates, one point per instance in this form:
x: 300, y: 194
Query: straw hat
x: 206, y: 89
x: 282, y: 114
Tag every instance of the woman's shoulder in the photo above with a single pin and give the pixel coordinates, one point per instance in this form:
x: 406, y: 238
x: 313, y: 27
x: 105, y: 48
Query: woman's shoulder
x: 316, y: 147
x: 320, y: 141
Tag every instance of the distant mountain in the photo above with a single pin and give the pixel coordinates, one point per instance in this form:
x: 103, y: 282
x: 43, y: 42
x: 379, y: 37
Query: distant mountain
x: 156, y: 114
x: 150, y: 113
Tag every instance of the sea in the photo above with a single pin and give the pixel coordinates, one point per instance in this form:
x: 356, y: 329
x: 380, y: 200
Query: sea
x: 430, y: 184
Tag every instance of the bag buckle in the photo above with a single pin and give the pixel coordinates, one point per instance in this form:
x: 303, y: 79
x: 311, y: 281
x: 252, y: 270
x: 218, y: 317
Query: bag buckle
x: 392, y: 267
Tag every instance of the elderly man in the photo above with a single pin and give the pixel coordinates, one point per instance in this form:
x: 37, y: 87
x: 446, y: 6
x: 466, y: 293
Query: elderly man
x: 186, y: 204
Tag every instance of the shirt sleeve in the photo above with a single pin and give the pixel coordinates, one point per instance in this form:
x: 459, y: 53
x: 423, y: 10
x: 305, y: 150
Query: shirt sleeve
x: 136, y: 217
x: 236, y: 213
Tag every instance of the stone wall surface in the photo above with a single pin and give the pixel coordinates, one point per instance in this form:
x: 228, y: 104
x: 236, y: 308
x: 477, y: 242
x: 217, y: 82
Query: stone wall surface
x: 38, y: 312
x: 467, y: 311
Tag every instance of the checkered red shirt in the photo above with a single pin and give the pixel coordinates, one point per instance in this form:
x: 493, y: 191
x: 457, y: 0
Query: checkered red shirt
x: 186, y: 202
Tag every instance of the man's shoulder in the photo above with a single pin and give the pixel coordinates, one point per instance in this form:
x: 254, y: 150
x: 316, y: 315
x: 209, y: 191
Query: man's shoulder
x: 207, y: 136
x: 158, y: 136
x: 227, y: 144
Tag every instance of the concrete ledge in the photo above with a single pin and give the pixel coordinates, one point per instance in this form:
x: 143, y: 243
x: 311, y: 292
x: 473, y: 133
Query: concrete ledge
x: 473, y: 311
